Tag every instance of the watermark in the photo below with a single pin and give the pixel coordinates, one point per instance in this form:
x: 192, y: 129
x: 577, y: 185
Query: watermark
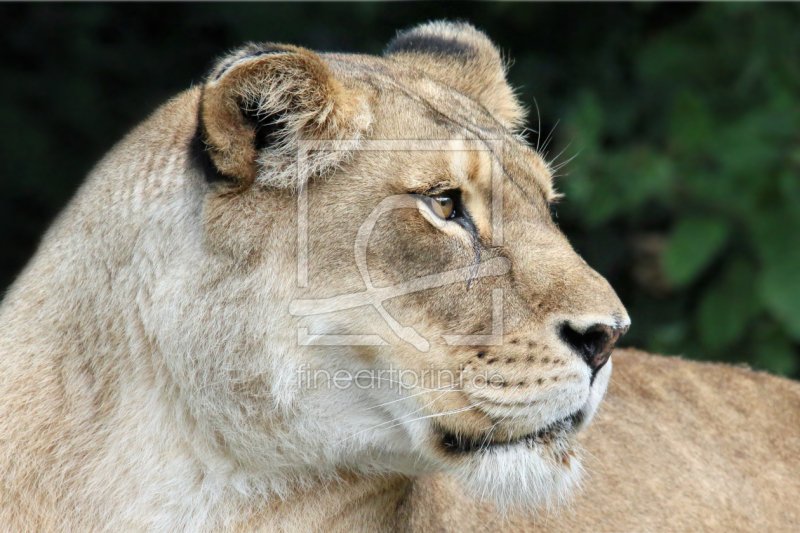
x: 376, y: 296
x: 392, y: 379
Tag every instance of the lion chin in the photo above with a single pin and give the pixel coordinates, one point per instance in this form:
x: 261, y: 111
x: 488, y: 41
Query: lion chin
x: 523, y: 476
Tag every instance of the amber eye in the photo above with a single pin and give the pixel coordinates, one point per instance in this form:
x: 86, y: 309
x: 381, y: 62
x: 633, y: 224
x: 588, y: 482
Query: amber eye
x: 444, y: 206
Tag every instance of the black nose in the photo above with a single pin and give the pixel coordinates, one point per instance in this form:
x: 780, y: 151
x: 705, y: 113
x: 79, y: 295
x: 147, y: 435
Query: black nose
x: 594, y: 344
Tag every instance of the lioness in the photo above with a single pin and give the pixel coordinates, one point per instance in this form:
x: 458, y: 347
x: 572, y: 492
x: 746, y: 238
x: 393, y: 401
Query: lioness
x: 324, y: 292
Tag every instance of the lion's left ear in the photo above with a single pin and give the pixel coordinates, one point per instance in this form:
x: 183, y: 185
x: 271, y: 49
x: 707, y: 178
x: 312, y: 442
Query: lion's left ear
x: 260, y: 103
x: 464, y: 58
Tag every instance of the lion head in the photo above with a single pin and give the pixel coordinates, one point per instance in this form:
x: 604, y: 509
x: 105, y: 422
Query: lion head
x: 360, y: 272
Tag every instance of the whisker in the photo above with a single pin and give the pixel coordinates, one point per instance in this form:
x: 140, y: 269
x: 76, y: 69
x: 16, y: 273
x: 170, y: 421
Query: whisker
x: 550, y: 164
x: 402, y: 384
x: 439, y: 414
x: 450, y: 389
x: 394, y: 419
x: 539, y: 127
x: 550, y: 135
x: 412, y: 420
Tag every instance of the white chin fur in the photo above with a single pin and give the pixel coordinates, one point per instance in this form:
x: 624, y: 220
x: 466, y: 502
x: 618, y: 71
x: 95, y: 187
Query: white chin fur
x: 530, y: 477
x: 521, y: 478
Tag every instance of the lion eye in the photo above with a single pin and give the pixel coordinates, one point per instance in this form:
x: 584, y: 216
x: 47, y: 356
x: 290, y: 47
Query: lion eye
x: 444, y: 206
x: 449, y: 206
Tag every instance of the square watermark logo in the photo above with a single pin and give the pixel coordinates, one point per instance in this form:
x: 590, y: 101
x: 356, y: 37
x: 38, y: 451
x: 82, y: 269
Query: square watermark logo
x: 375, y: 297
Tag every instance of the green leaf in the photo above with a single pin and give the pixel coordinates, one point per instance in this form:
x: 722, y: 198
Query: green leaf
x: 694, y: 243
x: 691, y: 124
x: 779, y: 286
x: 776, y: 239
x: 727, y: 307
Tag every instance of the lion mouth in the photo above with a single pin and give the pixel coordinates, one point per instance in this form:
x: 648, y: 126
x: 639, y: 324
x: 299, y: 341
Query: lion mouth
x: 560, y: 430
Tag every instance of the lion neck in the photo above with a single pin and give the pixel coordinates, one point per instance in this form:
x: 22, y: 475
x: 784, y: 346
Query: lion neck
x: 114, y: 379
x: 352, y: 504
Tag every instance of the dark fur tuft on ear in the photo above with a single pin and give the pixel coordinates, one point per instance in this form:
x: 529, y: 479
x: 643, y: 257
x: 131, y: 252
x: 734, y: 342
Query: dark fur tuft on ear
x: 464, y: 58
x: 262, y: 101
x: 414, y: 43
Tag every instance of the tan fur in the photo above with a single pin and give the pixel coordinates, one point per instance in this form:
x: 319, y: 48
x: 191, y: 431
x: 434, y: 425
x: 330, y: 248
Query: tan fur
x: 150, y: 352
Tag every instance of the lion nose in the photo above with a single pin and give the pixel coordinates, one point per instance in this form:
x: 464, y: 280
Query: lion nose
x: 594, y: 343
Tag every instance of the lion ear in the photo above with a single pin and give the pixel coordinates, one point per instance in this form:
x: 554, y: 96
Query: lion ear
x: 463, y: 58
x: 260, y: 103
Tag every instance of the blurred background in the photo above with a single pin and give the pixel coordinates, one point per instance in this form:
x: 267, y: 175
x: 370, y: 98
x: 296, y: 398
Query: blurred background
x: 681, y: 124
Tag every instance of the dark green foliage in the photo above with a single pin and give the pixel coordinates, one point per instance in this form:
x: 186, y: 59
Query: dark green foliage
x: 683, y: 121
x: 705, y: 155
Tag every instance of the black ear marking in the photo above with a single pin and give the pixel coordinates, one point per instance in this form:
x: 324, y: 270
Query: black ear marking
x: 267, y: 127
x: 413, y: 42
x: 271, y: 50
x: 199, y: 158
